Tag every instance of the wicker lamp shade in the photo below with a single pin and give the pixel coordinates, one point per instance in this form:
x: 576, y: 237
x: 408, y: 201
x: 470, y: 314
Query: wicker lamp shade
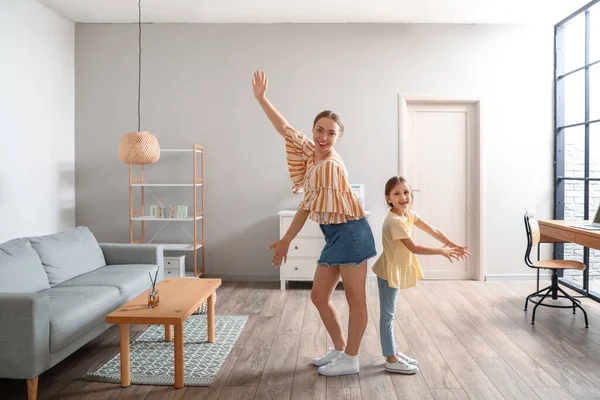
x: 139, y: 148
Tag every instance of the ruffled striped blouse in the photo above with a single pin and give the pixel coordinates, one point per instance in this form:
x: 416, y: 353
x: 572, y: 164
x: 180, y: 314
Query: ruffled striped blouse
x: 327, y: 192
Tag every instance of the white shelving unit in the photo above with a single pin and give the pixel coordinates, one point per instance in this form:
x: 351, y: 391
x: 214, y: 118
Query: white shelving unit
x: 162, y: 184
x: 141, y: 217
x: 150, y: 218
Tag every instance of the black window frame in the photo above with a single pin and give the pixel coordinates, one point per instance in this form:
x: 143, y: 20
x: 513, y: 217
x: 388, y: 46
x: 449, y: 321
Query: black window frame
x: 559, y: 139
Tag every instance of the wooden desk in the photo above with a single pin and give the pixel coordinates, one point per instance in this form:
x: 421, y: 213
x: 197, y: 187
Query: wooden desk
x: 560, y: 231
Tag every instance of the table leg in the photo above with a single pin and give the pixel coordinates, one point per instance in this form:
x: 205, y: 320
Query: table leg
x: 124, y: 338
x: 210, y: 318
x: 168, y: 333
x: 179, y: 355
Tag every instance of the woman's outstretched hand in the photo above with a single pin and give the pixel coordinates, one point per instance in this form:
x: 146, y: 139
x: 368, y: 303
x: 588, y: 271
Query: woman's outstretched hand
x: 280, y: 254
x: 259, y: 84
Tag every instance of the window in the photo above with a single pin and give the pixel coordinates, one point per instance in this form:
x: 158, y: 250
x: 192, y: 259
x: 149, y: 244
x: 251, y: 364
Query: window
x: 577, y: 136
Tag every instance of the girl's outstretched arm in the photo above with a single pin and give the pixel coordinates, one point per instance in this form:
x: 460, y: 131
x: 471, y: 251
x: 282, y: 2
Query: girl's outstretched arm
x: 433, y: 231
x: 259, y: 87
x: 441, y: 237
x: 448, y: 252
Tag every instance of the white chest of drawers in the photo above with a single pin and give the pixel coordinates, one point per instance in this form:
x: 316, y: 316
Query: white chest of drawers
x: 304, y: 250
x: 174, y: 267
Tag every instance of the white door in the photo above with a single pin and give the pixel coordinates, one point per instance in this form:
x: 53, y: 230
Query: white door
x: 439, y: 157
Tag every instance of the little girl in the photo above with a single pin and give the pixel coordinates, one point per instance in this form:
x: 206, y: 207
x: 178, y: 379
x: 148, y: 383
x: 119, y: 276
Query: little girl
x: 398, y: 266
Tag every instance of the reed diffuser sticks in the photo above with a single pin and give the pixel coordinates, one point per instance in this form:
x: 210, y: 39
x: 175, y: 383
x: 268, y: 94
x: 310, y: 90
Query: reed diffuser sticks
x: 153, y: 295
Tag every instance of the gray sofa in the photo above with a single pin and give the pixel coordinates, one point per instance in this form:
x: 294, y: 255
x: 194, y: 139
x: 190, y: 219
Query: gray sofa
x: 55, y: 292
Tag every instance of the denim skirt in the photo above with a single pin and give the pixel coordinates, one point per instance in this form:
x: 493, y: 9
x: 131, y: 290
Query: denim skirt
x: 349, y: 243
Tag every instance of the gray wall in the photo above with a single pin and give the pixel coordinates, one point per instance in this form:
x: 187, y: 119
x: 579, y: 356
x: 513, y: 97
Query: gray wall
x: 196, y: 88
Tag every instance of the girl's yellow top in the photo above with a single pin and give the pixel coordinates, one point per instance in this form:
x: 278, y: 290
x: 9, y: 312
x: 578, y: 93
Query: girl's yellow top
x: 397, y: 264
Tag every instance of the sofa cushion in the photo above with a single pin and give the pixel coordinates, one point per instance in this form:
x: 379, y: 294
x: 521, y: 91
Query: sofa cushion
x: 68, y: 254
x: 21, y: 270
x: 130, y: 279
x: 76, y: 310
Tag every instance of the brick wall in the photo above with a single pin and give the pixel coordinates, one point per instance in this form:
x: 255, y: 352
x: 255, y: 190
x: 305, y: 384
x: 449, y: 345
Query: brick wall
x: 574, y: 167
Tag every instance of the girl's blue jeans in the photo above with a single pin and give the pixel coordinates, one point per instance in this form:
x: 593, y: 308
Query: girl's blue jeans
x: 387, y: 310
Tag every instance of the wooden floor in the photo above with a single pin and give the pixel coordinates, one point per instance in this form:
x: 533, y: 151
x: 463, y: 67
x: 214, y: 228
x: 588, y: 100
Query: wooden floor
x: 472, y: 339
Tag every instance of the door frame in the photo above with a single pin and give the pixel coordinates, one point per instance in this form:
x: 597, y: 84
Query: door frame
x: 478, y: 165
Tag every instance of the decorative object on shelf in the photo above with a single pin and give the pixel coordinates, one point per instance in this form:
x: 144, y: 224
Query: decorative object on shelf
x: 154, y: 211
x: 182, y: 212
x: 359, y: 191
x: 161, y: 212
x: 139, y: 147
x: 153, y: 295
x: 173, y: 213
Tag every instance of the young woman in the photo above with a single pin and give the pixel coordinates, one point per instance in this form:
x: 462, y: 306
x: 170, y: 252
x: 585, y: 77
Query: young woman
x: 317, y: 170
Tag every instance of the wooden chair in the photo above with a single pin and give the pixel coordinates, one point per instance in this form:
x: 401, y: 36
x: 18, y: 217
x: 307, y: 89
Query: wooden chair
x: 532, y: 229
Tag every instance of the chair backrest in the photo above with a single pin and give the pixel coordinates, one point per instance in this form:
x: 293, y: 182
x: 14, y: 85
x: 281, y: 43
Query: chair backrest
x: 532, y: 228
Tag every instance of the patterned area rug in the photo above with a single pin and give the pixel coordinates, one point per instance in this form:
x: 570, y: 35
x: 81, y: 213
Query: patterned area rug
x: 152, y: 358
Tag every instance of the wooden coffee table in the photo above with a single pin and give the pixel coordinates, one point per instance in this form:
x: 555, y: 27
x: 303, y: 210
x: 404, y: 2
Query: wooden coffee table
x: 179, y: 298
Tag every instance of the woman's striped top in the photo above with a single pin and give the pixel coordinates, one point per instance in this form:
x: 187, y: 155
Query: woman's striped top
x: 327, y: 192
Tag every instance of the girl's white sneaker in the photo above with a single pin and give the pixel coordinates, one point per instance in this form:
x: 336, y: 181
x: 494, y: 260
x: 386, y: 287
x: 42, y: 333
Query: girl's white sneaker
x: 407, y: 359
x: 401, y: 367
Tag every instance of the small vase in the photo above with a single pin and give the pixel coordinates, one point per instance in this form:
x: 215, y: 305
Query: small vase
x: 153, y: 298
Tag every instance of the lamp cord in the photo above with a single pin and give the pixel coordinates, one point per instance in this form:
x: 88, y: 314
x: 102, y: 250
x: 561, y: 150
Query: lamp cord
x: 139, y: 58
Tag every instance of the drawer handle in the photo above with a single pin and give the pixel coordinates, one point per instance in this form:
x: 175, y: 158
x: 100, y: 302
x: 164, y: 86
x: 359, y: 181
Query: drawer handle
x: 296, y: 268
x: 296, y: 247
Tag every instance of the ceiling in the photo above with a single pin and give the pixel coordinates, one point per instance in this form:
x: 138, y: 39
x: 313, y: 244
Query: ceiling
x: 315, y: 11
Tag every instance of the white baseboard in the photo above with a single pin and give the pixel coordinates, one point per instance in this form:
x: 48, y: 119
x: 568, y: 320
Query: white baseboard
x: 516, y: 277
x: 371, y: 276
x: 245, y: 278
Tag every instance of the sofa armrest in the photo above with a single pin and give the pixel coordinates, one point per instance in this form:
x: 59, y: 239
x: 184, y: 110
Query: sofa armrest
x: 125, y: 253
x: 24, y: 335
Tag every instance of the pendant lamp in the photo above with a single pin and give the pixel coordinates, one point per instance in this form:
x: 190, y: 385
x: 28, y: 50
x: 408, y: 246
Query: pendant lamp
x: 139, y: 147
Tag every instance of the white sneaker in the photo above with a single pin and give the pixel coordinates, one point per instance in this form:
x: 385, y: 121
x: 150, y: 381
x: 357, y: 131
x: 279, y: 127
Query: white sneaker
x: 342, y: 365
x: 327, y: 358
x: 407, y: 359
x: 401, y: 367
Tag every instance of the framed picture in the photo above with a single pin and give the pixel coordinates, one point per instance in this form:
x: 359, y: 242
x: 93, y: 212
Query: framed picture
x: 359, y: 191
